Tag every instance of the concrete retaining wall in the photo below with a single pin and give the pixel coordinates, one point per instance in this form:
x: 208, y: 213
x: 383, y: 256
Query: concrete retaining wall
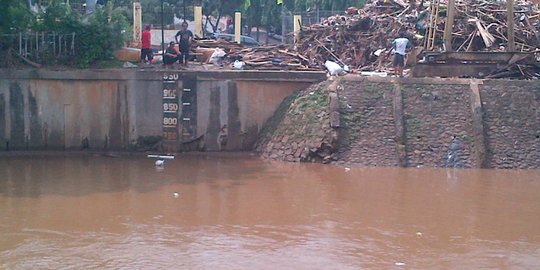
x: 111, y: 109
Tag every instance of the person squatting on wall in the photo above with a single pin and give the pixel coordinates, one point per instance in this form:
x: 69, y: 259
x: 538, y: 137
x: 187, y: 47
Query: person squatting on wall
x: 171, y: 55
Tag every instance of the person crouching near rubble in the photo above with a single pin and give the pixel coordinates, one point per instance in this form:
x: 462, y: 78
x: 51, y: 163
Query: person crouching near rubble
x: 171, y: 55
x: 186, y: 37
x: 400, y: 47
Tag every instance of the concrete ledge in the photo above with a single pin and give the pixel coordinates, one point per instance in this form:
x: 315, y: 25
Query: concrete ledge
x: 156, y: 75
x: 394, y: 80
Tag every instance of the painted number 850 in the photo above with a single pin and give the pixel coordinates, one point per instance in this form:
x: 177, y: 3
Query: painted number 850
x: 170, y: 107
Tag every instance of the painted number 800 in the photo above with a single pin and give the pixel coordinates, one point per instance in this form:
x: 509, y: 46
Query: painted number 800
x: 169, y: 121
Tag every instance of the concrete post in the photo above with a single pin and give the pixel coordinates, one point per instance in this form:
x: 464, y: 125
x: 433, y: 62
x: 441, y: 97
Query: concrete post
x: 479, y: 144
x: 400, y: 126
x: 198, y: 21
x: 297, y: 27
x: 510, y: 22
x: 137, y: 24
x: 237, y: 27
x: 449, y: 25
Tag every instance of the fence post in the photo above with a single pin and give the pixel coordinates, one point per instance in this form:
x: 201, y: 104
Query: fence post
x: 59, y: 44
x: 20, y: 43
x: 198, y: 21
x: 54, y: 43
x: 237, y: 27
x: 25, y: 46
x: 283, y: 29
x: 72, y: 43
x: 137, y: 24
x: 297, y: 27
x: 37, y: 45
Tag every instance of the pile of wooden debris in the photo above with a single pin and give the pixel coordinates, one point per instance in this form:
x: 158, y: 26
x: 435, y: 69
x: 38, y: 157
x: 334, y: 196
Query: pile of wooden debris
x: 363, y: 37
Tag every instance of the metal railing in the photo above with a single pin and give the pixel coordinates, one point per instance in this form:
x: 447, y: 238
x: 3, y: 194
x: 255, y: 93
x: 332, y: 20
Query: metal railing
x: 38, y: 46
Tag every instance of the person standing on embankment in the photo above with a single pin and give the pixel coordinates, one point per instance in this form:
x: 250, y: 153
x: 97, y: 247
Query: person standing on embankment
x: 146, y: 49
x: 186, y: 36
x: 400, y: 46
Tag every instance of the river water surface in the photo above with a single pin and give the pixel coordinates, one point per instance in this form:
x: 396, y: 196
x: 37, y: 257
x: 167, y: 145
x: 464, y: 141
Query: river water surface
x: 240, y: 212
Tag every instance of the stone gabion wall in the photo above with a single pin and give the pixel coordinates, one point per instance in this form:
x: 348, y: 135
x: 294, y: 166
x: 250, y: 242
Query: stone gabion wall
x: 512, y: 123
x: 368, y: 118
x: 433, y: 115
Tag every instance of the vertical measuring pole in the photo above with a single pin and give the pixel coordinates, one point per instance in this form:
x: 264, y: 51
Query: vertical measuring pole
x: 189, y: 109
x: 170, y: 112
x: 449, y: 25
x: 237, y: 27
x: 510, y: 22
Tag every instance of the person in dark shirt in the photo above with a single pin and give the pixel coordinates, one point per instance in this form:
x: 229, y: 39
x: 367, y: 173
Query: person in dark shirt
x: 171, y: 55
x: 186, y: 37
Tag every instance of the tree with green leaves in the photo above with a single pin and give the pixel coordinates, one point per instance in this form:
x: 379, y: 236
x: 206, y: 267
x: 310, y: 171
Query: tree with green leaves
x: 14, y: 18
x: 97, y: 36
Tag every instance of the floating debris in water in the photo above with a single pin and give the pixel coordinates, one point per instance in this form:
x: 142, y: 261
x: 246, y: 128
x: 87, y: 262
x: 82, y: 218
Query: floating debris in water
x: 160, y: 163
x: 399, y: 264
x: 419, y: 233
x: 176, y: 194
x: 347, y: 169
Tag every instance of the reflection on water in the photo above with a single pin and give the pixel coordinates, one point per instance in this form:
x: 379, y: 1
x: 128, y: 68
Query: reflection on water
x: 244, y: 213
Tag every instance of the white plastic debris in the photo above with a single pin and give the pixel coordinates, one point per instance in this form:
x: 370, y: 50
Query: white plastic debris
x: 176, y: 194
x: 238, y: 64
x: 347, y: 169
x: 374, y: 73
x: 217, y: 55
x: 160, y: 163
x: 129, y: 65
x: 160, y: 156
x: 419, y: 233
x: 333, y: 68
x: 399, y: 264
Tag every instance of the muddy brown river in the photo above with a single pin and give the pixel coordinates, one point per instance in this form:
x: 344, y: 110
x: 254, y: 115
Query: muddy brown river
x: 240, y: 212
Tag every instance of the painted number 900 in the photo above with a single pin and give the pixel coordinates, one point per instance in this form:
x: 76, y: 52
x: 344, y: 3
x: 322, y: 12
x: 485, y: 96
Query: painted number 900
x: 169, y: 93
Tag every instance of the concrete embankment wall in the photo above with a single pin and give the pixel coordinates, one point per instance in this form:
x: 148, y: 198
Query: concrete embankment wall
x: 114, y: 109
x: 412, y: 122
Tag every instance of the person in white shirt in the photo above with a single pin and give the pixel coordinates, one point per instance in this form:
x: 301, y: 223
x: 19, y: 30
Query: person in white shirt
x: 400, y: 46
